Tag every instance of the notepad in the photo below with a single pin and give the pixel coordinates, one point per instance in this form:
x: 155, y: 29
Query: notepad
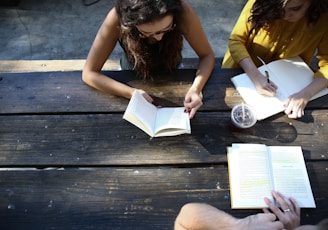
x: 290, y: 75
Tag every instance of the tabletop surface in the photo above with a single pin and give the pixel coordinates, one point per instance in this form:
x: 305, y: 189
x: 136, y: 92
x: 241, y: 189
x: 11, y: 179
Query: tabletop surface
x: 69, y: 161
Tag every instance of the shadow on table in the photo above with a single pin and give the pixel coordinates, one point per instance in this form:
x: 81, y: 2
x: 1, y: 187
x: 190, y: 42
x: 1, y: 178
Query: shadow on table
x: 215, y: 132
x: 278, y: 131
x: 282, y: 131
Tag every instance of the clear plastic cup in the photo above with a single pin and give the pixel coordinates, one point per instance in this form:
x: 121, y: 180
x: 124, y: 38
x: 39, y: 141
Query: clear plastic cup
x: 243, y: 116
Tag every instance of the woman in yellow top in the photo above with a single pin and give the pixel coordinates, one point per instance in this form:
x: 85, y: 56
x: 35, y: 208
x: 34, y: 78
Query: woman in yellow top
x: 278, y: 29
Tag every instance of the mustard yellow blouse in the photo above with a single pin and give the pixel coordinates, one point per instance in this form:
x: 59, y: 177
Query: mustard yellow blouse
x: 282, y: 40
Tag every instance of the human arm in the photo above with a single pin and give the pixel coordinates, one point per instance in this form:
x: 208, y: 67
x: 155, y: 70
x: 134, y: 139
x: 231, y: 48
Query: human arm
x: 296, y: 103
x: 238, y: 54
x: 262, y: 85
x: 196, y: 37
x: 101, y: 49
x: 290, y: 212
x: 203, y: 216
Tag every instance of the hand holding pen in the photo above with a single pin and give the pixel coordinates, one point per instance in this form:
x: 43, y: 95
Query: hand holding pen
x: 269, y: 85
x: 264, y: 85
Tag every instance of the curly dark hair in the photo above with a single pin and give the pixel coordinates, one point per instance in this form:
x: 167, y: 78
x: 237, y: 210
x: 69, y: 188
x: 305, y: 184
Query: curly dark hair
x: 149, y: 60
x: 264, y: 11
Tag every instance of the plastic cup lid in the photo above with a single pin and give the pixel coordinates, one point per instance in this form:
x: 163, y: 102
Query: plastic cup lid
x: 243, y: 115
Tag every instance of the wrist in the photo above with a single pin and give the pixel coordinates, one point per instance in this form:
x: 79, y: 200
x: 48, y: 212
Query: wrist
x: 195, y: 90
x: 307, y: 95
x: 255, y: 76
x: 131, y: 91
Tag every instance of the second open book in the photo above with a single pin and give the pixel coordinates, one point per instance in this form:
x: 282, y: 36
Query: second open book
x: 256, y: 169
x: 290, y: 75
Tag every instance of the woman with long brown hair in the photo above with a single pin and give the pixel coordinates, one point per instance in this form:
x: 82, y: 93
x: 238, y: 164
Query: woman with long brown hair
x: 151, y: 34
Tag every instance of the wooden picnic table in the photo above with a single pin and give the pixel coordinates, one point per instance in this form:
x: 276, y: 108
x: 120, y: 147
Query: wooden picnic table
x: 69, y: 161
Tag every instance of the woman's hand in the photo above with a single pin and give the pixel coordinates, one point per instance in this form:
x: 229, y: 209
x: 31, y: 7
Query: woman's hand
x: 193, y: 101
x: 264, y: 86
x: 262, y: 83
x: 290, y: 212
x: 295, y: 105
x: 146, y: 95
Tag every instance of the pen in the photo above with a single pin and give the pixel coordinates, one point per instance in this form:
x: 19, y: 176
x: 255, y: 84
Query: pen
x: 267, y: 76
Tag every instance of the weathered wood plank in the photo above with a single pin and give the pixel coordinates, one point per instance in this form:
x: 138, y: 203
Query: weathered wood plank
x: 118, y: 198
x: 65, y: 92
x: 51, y: 93
x: 192, y: 63
x: 107, y: 139
x: 215, y: 132
x: 62, y: 92
x: 26, y: 66
x: 90, y: 140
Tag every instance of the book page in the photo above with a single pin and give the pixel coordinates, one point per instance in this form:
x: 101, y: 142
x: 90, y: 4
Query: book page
x: 290, y: 174
x: 293, y: 74
x: 172, y: 121
x: 249, y: 175
x: 141, y: 113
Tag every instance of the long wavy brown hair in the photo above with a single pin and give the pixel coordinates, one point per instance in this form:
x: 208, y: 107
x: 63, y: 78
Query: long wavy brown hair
x: 150, y: 59
x: 264, y: 11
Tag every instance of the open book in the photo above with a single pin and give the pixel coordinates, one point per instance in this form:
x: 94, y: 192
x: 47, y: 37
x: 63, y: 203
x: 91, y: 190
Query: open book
x: 255, y: 170
x: 156, y: 122
x: 290, y: 75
